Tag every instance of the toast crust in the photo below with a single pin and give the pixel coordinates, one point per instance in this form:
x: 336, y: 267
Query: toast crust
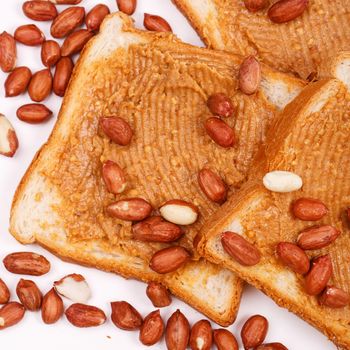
x: 308, y: 139
x: 301, y: 46
x: 45, y: 181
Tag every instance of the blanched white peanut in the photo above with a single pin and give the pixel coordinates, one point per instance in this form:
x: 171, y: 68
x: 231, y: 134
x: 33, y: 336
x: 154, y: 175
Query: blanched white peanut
x: 282, y: 181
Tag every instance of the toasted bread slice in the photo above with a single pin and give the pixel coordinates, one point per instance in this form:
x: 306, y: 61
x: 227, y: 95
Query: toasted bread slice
x: 299, y: 46
x: 160, y: 86
x: 310, y: 139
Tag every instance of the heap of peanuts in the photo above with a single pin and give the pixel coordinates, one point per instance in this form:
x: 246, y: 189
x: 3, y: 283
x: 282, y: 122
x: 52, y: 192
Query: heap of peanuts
x: 178, y: 333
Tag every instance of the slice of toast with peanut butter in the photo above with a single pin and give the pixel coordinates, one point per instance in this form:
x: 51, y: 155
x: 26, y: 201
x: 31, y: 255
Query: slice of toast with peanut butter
x: 297, y: 242
x: 301, y: 45
x: 159, y: 86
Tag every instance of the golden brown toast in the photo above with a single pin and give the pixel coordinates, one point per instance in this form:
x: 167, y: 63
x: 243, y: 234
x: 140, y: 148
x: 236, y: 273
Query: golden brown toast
x: 311, y: 139
x: 300, y: 46
x: 160, y: 86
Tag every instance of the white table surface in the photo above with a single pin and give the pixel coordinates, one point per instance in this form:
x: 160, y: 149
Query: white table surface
x: 31, y: 333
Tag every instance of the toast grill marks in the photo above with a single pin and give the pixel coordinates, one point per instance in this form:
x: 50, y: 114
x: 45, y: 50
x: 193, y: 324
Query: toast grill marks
x: 316, y: 147
x: 298, y: 46
x: 166, y: 153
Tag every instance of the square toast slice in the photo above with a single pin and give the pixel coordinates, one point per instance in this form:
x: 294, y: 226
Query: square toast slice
x: 311, y: 139
x: 300, y: 46
x: 160, y: 86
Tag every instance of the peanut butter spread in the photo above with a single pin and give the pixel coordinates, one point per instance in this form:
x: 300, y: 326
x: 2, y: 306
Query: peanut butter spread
x: 161, y: 89
x: 299, y: 46
x: 316, y: 147
x: 322, y: 159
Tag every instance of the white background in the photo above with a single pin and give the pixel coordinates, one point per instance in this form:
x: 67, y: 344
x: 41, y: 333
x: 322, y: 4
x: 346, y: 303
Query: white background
x: 31, y: 333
